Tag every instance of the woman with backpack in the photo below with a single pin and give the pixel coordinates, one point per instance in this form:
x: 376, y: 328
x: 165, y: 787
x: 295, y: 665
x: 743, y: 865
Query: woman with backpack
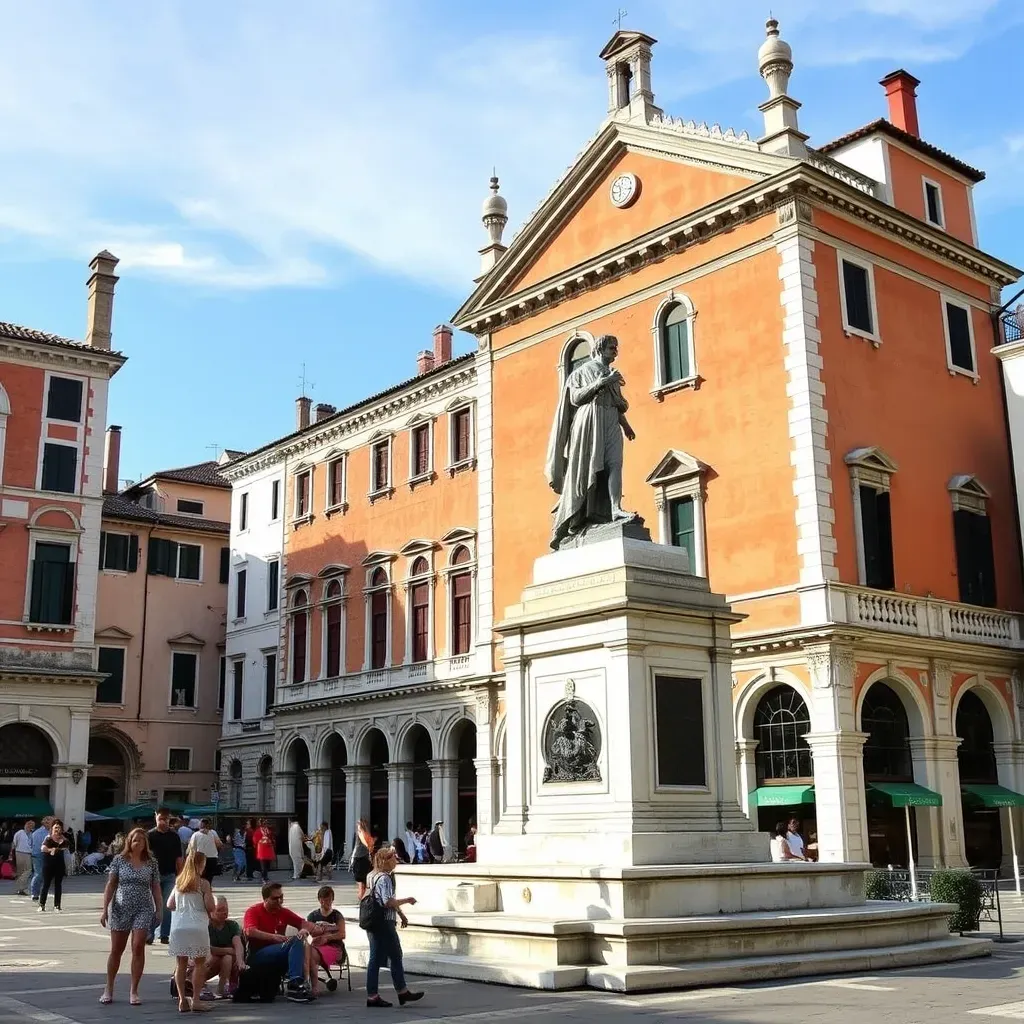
x: 379, y: 911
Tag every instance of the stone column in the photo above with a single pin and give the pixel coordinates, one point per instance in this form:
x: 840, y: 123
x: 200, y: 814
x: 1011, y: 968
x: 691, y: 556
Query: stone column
x: 399, y: 798
x: 485, y: 762
x: 746, y: 776
x: 444, y: 794
x: 319, y: 797
x: 839, y: 795
x: 68, y: 796
x: 939, y: 829
x: 284, y: 792
x: 513, y: 817
x: 357, y: 800
x: 1010, y: 769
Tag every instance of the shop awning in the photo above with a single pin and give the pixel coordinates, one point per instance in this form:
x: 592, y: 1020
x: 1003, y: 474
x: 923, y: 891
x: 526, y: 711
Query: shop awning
x: 782, y: 796
x: 127, y: 812
x: 209, y: 810
x: 24, y: 807
x: 988, y: 795
x: 907, y: 794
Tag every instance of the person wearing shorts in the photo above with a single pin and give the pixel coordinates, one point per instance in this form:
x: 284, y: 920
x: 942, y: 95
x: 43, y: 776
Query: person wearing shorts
x: 330, y: 944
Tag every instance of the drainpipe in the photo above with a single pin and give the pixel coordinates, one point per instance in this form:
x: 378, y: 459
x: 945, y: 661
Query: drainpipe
x: 142, y: 642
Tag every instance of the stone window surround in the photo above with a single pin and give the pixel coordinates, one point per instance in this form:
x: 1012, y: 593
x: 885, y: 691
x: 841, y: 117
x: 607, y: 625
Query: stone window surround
x: 570, y: 343
x: 333, y: 574
x: 302, y: 469
x: 336, y: 456
x: 120, y: 645
x: 875, y: 335
x: 5, y: 411
x: 692, y: 380
x: 175, y: 770
x: 78, y: 444
x: 292, y: 588
x: 183, y: 647
x: 374, y: 493
x: 421, y: 420
x: 71, y: 536
x: 413, y: 551
x: 452, y: 541
x: 941, y: 222
x: 229, y: 698
x: 374, y: 561
x: 687, y: 480
x: 869, y: 467
x: 954, y: 370
x: 969, y: 494
x: 453, y: 407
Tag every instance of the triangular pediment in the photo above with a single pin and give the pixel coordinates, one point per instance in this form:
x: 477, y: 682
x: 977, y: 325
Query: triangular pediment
x: 681, y: 168
x: 186, y: 640
x: 675, y: 465
x: 870, y: 458
x: 965, y: 483
x: 113, y: 633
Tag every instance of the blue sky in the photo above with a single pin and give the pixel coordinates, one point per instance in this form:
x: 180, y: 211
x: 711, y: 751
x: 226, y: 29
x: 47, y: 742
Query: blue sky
x: 301, y: 183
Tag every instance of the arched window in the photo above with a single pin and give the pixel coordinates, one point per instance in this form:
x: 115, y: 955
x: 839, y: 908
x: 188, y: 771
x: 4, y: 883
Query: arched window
x: 378, y: 614
x: 235, y: 785
x: 332, y: 629
x: 265, y: 796
x: 300, y: 635
x: 577, y: 352
x: 780, y: 723
x: 976, y: 755
x: 460, y: 585
x: 675, y: 343
x: 5, y: 411
x: 419, y: 610
x: 887, y: 750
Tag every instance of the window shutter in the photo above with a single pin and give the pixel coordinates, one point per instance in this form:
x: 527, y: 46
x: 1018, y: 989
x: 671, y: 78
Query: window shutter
x: 876, y: 527
x: 887, y: 574
x: 963, y: 538
x: 677, y: 352
x: 133, y: 552
x: 225, y: 564
x: 103, y: 547
x: 156, y: 557
x: 66, y: 570
x: 172, y: 558
x: 985, y: 561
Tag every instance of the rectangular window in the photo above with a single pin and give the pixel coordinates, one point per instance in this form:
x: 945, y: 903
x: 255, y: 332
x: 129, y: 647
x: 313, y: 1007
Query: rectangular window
x: 958, y: 327
x: 682, y: 529
x: 380, y: 453
x: 876, y: 524
x: 421, y: 450
x: 179, y: 759
x: 857, y: 291
x: 679, y: 731
x: 462, y: 435
x: 237, y: 675
x: 300, y: 624
x: 184, y: 669
x: 240, y: 582
x: 419, y: 599
x: 119, y: 552
x: 273, y: 584
x: 975, y: 564
x: 60, y: 466
x: 275, y: 499
x: 111, y: 689
x: 933, y: 203
x: 336, y: 483
x: 379, y: 630
x: 302, y: 486
x: 53, y: 585
x: 243, y: 512
x: 222, y: 682
x: 189, y: 559
x: 225, y: 564
x: 462, y: 612
x: 64, y: 400
x: 190, y: 508
x: 333, y: 626
x: 177, y: 796
x: 269, y: 682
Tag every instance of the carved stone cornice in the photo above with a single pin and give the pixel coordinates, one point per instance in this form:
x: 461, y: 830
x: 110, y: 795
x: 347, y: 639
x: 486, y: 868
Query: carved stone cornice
x: 96, y: 362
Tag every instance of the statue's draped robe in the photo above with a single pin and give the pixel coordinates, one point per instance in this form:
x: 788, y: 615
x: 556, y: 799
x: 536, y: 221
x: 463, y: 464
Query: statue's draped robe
x: 586, y: 438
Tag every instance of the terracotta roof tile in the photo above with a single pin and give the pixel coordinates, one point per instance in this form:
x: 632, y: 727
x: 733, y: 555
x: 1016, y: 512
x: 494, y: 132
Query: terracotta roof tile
x: 888, y: 128
x: 19, y: 333
x: 206, y: 473
x: 116, y: 506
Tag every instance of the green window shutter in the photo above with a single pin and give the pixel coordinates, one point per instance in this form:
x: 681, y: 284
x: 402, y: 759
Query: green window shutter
x: 675, y: 343
x: 53, y: 585
x: 682, y: 528
x: 225, y: 561
x: 156, y: 557
x: 133, y: 553
x: 111, y: 689
x: 103, y: 547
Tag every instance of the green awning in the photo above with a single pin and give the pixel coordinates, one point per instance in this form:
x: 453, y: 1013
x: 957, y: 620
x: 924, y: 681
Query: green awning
x: 128, y: 812
x: 991, y: 796
x: 209, y: 810
x: 782, y: 796
x: 907, y: 794
x: 24, y: 807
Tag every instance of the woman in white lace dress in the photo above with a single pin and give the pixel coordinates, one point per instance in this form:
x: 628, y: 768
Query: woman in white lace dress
x: 191, y: 903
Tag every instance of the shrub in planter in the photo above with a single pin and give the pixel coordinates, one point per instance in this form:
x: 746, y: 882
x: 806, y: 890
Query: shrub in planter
x: 963, y: 889
x: 878, y: 886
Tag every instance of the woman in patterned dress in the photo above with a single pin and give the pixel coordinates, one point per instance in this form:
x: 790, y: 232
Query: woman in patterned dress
x: 130, y: 902
x: 192, y: 903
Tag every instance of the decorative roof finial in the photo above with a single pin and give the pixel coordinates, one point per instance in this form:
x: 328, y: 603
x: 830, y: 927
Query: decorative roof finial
x: 775, y: 59
x: 495, y: 216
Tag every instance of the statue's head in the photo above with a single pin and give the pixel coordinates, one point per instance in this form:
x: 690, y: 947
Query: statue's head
x: 606, y: 348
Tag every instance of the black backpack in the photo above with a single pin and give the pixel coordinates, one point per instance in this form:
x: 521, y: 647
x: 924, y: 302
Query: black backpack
x: 258, y: 984
x: 371, y: 912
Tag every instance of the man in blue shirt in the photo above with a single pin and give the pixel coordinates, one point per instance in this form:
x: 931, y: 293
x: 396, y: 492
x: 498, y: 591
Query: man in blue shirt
x: 37, y: 855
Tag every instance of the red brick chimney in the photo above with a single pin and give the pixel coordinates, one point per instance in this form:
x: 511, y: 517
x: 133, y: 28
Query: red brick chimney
x: 442, y: 344
x: 323, y: 410
x: 424, y: 361
x: 303, y: 405
x: 899, y: 90
x: 111, y: 459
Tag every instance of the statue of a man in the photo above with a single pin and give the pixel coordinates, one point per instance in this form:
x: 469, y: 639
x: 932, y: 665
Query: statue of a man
x: 584, y: 461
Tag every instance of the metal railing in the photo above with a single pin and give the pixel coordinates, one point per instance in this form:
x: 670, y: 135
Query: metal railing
x: 1013, y: 324
x: 898, y: 887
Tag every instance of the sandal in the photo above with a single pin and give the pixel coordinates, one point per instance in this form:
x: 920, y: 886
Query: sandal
x: 134, y: 1000
x: 106, y: 999
x: 183, y: 1006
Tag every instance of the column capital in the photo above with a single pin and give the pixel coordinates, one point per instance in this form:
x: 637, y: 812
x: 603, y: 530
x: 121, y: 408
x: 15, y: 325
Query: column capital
x: 285, y: 776
x: 400, y: 770
x: 318, y: 774
x: 357, y: 773
x: 832, y: 666
x: 746, y: 746
x: 842, y: 742
x: 939, y: 748
x: 443, y: 769
x: 1008, y: 751
x: 486, y: 765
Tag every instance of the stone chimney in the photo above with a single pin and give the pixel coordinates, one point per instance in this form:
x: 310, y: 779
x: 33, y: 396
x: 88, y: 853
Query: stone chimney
x: 100, y: 304
x: 900, y: 90
x: 424, y: 361
x: 302, y: 407
x: 442, y: 344
x: 782, y: 133
x: 111, y: 459
x: 323, y: 410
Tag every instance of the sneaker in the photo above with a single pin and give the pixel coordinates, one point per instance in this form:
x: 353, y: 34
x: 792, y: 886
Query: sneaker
x: 377, y: 1002
x: 164, y: 941
x: 42, y: 909
x: 408, y: 997
x: 298, y: 992
x: 35, y: 899
x: 57, y: 910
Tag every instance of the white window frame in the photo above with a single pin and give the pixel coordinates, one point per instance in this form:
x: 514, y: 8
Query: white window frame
x: 280, y: 504
x: 80, y: 426
x: 179, y: 770
x: 680, y: 475
x: 662, y: 386
x: 243, y: 512
x: 869, y: 467
x: 270, y: 652
x: 178, y: 578
x: 412, y: 553
x: 458, y: 405
x: 64, y: 443
x: 326, y: 602
x: 233, y: 596
x: 5, y: 411
x: 229, y: 699
x: 340, y: 459
x: 925, y: 184
x: 954, y: 370
x: 83, y: 413
x: 298, y: 518
x: 123, y: 648
x: 374, y: 493
x: 453, y: 541
x: 267, y: 610
x: 50, y: 535
x: 875, y: 336
x: 170, y: 682
x: 193, y: 501
x: 293, y: 611
x: 104, y: 568
x: 416, y: 423
x: 372, y: 563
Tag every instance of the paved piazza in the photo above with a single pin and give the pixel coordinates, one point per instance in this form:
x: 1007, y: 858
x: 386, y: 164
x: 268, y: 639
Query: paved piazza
x: 51, y: 972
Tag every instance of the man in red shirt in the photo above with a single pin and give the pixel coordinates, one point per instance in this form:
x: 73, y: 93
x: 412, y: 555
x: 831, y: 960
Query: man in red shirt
x: 264, y: 926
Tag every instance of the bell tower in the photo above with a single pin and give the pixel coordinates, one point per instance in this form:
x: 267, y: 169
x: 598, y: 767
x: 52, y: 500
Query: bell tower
x: 627, y: 60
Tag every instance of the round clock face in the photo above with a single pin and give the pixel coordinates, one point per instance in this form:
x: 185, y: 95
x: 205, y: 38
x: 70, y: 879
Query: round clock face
x: 625, y: 188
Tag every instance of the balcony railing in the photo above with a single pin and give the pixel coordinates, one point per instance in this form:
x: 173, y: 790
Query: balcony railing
x: 249, y: 725
x: 924, y: 616
x: 1013, y: 324
x: 376, y: 680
